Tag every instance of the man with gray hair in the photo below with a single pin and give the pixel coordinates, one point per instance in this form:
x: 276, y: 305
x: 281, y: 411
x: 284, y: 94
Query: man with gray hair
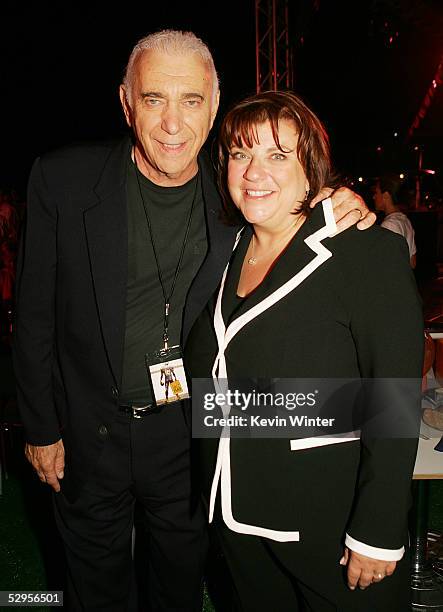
x: 122, y: 250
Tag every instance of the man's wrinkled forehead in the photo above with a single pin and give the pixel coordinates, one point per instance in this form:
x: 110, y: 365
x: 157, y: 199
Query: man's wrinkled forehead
x: 172, y: 70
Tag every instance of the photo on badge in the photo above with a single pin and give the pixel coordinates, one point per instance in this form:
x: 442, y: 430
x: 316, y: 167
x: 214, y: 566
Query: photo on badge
x: 168, y: 378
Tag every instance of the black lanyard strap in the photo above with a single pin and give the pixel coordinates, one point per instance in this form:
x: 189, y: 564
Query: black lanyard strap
x: 167, y: 297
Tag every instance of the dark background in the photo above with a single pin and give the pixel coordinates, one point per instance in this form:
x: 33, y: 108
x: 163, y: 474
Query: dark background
x: 62, y: 63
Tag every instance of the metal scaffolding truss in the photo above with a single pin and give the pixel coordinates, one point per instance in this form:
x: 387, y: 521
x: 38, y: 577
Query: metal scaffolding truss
x: 274, y: 67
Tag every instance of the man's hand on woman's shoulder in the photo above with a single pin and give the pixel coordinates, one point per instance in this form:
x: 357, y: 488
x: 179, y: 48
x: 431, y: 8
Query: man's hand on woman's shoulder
x: 349, y: 208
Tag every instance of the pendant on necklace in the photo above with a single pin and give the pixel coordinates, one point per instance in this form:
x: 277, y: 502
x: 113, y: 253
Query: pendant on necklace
x: 252, y: 261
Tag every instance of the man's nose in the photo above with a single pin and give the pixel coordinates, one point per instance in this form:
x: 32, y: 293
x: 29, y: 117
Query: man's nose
x: 172, y: 120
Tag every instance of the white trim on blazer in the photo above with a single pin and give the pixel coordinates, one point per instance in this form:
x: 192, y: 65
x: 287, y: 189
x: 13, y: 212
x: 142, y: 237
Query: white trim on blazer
x: 224, y: 335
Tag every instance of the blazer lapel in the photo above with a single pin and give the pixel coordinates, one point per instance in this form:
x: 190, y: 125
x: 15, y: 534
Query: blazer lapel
x: 107, y: 239
x: 299, y: 258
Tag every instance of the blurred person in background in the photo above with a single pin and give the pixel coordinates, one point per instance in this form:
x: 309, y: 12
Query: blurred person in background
x: 385, y: 196
x: 9, y: 233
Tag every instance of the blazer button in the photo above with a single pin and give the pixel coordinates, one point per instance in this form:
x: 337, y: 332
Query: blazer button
x: 103, y: 430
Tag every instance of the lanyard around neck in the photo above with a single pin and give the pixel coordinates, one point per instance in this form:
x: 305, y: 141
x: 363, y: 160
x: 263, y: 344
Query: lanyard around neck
x: 167, y: 296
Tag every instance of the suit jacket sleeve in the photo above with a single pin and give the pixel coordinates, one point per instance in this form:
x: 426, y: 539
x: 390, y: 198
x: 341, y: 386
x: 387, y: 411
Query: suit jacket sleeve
x: 34, y: 335
x: 387, y: 326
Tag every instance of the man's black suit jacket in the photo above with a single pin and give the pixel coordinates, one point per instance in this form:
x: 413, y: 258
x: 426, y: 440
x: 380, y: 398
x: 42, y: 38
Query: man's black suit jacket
x: 71, y: 297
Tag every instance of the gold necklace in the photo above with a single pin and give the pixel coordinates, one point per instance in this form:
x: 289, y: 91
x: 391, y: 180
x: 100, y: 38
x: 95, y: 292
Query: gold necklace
x: 252, y: 261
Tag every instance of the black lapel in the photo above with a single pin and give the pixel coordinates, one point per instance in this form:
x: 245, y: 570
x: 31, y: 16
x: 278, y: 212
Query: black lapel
x: 220, y: 242
x: 107, y: 238
x: 298, y: 256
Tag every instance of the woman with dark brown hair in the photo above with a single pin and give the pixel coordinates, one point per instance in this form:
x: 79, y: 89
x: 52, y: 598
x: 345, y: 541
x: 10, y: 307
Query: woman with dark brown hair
x: 310, y: 522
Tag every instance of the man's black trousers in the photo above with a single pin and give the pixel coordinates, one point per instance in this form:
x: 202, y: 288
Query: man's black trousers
x: 146, y: 460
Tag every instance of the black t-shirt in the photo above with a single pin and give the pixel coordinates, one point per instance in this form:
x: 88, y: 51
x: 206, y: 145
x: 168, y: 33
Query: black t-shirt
x: 168, y: 209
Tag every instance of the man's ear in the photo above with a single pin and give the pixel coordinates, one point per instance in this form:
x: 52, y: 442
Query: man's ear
x: 125, y: 105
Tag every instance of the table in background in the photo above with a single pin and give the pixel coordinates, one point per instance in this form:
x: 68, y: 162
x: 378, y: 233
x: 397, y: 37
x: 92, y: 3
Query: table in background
x: 427, y: 586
